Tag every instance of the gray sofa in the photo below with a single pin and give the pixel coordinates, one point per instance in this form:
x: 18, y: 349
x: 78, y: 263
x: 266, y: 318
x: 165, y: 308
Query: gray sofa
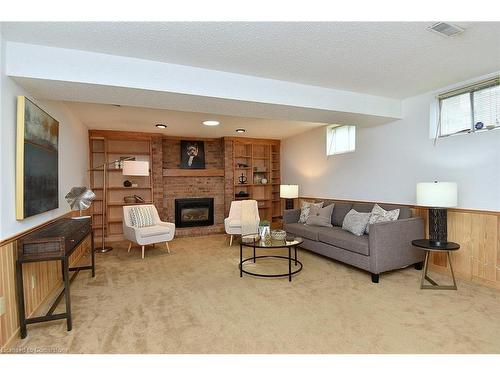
x: 387, y: 247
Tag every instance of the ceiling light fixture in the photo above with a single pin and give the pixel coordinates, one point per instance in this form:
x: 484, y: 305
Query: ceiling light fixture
x: 240, y: 130
x: 446, y: 29
x: 211, y: 122
x: 161, y: 126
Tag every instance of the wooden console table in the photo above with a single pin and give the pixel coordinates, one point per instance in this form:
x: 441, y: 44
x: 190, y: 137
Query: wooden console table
x: 56, y: 241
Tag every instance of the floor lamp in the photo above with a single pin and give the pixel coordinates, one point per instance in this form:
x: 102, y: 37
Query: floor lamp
x: 103, y: 248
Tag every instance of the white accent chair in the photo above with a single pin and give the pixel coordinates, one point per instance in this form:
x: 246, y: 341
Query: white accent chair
x: 160, y: 231
x: 232, y: 224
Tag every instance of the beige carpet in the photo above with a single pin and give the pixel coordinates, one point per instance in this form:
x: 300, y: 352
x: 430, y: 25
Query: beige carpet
x: 193, y: 301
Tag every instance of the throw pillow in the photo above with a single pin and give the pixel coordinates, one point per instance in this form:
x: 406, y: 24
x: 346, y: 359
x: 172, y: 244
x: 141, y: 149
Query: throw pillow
x: 321, y: 217
x: 379, y: 215
x: 141, y: 217
x: 356, y: 222
x: 304, y: 210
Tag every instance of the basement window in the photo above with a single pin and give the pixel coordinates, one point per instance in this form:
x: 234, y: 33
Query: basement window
x: 340, y: 139
x: 470, y: 109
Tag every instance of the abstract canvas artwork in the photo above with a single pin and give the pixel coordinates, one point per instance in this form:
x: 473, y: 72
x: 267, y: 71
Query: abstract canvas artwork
x: 37, y: 160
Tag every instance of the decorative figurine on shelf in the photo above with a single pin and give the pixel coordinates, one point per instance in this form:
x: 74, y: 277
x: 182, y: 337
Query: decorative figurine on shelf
x: 242, y: 179
x: 263, y: 181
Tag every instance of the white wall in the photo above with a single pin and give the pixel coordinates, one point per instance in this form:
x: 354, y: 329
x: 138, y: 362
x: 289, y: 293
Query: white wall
x: 73, y: 154
x: 390, y: 159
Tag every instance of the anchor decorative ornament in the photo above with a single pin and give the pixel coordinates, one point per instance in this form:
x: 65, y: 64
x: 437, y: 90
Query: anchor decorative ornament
x: 242, y: 179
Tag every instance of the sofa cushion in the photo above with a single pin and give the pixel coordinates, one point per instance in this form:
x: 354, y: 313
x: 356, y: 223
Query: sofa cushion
x: 154, y: 230
x: 356, y: 222
x: 141, y: 216
x: 306, y: 208
x: 339, y: 212
x: 303, y: 230
x: 380, y: 215
x: 321, y: 217
x: 338, y: 237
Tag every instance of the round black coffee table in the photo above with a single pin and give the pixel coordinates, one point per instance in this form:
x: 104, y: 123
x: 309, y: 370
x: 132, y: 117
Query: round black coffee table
x: 290, y: 243
x: 442, y: 247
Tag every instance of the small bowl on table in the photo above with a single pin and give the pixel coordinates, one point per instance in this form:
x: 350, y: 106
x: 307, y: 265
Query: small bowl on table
x: 278, y: 235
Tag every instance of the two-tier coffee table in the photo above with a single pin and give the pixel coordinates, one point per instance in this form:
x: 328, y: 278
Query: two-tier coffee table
x: 292, y: 243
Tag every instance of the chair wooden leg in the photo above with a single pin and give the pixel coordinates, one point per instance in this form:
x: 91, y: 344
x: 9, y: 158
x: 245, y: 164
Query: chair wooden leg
x: 231, y: 240
x: 129, y: 247
x: 168, y: 248
x: 142, y: 251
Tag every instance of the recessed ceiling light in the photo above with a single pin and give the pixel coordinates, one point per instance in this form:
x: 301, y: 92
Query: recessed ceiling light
x: 446, y: 29
x: 240, y: 130
x: 161, y: 126
x: 211, y: 122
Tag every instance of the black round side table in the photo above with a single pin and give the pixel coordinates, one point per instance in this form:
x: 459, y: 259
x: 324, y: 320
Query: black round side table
x: 443, y: 247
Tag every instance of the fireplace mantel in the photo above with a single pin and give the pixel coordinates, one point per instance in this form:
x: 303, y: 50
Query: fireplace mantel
x: 214, y: 172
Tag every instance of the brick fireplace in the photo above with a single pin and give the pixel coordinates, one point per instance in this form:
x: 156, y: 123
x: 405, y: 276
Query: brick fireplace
x: 194, y: 212
x: 184, y: 184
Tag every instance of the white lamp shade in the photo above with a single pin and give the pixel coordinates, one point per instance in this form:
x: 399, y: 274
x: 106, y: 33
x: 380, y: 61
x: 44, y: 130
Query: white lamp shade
x: 289, y: 191
x: 135, y: 168
x: 437, y: 194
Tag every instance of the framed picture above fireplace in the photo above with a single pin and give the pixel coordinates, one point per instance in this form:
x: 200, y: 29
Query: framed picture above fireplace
x: 192, y: 155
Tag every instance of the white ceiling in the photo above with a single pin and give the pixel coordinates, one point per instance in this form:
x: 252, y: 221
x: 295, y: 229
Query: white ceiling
x: 397, y: 60
x: 185, y: 124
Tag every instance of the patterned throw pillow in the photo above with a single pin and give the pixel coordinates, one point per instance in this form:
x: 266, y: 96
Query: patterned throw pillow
x: 141, y: 217
x: 306, y: 208
x: 320, y: 217
x: 379, y: 215
x: 355, y: 222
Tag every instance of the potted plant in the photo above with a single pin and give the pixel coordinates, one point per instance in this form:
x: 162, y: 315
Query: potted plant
x: 264, y: 229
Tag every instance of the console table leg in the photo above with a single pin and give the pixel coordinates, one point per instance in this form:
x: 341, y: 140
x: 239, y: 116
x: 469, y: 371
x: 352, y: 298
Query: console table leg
x: 65, y: 266
x: 289, y: 264
x: 241, y: 260
x: 20, y: 297
x: 92, y: 252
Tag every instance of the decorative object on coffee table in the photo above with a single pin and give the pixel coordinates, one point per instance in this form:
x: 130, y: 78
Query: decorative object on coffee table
x: 264, y: 229
x: 443, y: 247
x: 289, y: 192
x: 278, y: 235
x: 437, y: 196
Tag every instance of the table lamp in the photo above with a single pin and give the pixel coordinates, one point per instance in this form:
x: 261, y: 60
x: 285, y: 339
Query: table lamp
x: 289, y: 192
x: 134, y: 168
x: 437, y: 196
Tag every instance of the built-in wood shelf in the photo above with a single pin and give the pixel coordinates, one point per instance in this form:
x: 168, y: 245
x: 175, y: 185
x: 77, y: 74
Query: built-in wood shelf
x: 214, y: 172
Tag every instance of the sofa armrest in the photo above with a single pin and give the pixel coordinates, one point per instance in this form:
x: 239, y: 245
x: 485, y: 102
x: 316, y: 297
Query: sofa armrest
x: 291, y: 216
x: 390, y: 244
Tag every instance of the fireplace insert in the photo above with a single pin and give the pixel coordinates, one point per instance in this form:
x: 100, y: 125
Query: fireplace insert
x: 194, y: 212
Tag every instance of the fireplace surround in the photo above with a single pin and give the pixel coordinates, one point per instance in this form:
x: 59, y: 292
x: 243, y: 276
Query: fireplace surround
x: 194, y: 212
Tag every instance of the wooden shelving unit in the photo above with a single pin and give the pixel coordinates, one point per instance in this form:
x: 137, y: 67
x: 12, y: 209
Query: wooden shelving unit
x: 105, y: 148
x: 255, y: 160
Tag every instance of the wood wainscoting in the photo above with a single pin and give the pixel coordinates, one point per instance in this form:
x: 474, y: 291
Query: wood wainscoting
x: 41, y: 282
x: 477, y: 232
